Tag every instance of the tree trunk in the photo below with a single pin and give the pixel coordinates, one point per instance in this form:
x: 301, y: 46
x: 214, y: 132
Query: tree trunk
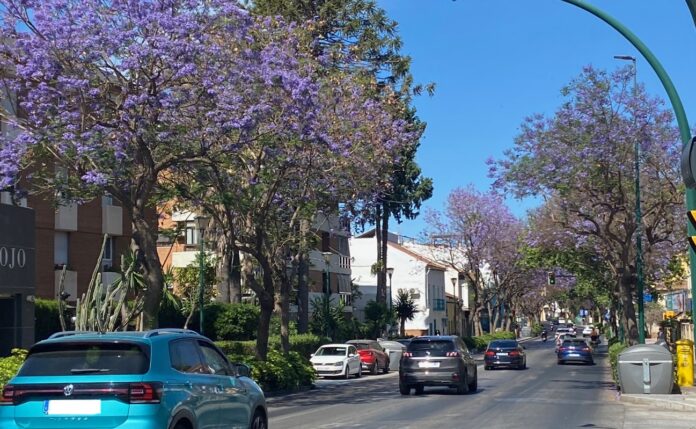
x: 144, y: 243
x: 222, y: 269
x: 383, y: 253
x: 302, y: 294
x: 381, y: 293
x: 236, y: 278
x: 402, y: 328
x: 283, y: 307
x: 629, y: 313
x: 266, y: 305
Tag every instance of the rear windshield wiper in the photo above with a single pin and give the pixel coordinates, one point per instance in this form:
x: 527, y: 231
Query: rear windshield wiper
x: 88, y: 370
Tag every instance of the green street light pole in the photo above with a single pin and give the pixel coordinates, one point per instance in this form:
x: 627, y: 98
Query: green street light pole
x: 639, y: 216
x: 327, y: 291
x: 677, y: 106
x: 201, y: 223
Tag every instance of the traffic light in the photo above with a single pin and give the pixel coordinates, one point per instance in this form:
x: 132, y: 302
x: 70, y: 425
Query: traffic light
x: 691, y: 214
x: 551, y: 277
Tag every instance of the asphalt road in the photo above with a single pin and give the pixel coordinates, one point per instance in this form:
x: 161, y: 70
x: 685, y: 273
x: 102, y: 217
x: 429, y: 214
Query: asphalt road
x: 545, y: 395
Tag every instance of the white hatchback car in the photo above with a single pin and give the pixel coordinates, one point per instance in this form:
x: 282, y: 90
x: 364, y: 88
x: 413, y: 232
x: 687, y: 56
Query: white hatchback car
x: 337, y: 360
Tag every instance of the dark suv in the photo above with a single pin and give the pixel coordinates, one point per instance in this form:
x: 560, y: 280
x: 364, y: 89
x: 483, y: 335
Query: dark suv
x: 437, y: 361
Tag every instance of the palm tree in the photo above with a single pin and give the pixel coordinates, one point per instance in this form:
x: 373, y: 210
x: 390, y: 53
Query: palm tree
x: 405, y: 309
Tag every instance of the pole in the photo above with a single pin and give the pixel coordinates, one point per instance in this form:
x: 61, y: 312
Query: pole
x: 327, y: 295
x: 201, y: 282
x: 639, y: 226
x: 677, y: 106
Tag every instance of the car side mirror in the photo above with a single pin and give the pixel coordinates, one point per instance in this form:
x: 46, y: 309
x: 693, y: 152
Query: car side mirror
x: 351, y: 355
x: 242, y: 370
x: 312, y: 355
x: 524, y: 347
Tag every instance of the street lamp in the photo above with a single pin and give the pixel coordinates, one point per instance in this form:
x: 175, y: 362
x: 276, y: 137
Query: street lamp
x: 639, y: 218
x: 457, y: 306
x: 327, y: 290
x: 390, y: 271
x: 201, y: 225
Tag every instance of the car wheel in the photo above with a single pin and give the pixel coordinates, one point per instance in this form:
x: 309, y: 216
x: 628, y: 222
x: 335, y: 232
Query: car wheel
x: 473, y: 386
x: 560, y: 362
x: 374, y: 368
x: 487, y: 368
x: 404, y: 389
x: 259, y: 421
x: 386, y: 368
x: 419, y: 389
x: 463, y: 386
x: 347, y: 373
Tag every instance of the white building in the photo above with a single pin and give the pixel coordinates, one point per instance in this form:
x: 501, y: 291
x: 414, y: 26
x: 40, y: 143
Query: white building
x: 425, y: 279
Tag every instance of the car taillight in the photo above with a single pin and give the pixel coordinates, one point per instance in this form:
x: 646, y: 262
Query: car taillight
x: 7, y: 395
x: 514, y: 353
x: 407, y: 354
x: 145, y: 393
x: 452, y: 354
x: 490, y: 353
x: 562, y: 349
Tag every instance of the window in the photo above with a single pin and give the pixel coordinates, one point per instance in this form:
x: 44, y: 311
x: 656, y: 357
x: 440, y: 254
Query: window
x: 191, y: 234
x: 61, y: 249
x: 108, y: 251
x: 107, y: 200
x: 185, y: 357
x: 87, y: 358
x: 325, y: 242
x: 346, y: 299
x: 214, y: 360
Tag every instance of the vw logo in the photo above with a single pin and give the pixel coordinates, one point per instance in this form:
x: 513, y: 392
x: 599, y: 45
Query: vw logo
x: 68, y: 390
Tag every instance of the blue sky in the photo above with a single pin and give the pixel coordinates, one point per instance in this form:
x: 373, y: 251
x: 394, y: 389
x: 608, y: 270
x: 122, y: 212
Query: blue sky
x: 496, y: 61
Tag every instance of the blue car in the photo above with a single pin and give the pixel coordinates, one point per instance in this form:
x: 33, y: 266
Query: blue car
x: 159, y: 379
x: 575, y: 350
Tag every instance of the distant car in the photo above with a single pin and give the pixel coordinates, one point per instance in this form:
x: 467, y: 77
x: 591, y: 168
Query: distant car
x: 561, y: 338
x: 575, y: 350
x: 394, y: 350
x: 372, y: 356
x: 336, y: 360
x: 504, y: 353
x: 403, y: 341
x: 587, y: 331
x: 440, y: 360
x: 164, y: 378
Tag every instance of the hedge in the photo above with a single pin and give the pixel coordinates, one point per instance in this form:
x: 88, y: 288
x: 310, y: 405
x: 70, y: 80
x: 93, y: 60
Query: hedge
x: 304, y: 344
x: 614, y: 351
x: 10, y: 365
x: 47, y: 318
x: 481, y: 342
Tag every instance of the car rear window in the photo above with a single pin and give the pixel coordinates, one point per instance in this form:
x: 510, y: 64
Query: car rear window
x: 81, y: 358
x: 430, y: 347
x: 362, y: 346
x: 575, y: 343
x: 503, y: 344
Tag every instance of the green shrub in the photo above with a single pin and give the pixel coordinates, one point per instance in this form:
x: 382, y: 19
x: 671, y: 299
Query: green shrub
x: 536, y: 329
x: 47, y: 319
x: 280, y: 372
x: 237, y: 322
x: 481, y: 342
x: 10, y: 365
x: 614, y: 351
x: 304, y: 344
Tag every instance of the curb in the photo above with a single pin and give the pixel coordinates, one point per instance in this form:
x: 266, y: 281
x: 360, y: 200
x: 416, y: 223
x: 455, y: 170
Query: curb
x: 667, y: 402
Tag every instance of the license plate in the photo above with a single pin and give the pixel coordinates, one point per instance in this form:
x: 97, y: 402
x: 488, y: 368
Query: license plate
x: 428, y: 364
x: 501, y: 354
x: 574, y: 354
x: 75, y: 407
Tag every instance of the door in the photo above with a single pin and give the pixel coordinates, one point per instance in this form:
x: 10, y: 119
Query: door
x: 232, y: 398
x: 353, y: 360
x: 198, y: 382
x: 8, y: 326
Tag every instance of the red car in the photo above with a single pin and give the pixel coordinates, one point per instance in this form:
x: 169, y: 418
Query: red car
x: 372, y: 356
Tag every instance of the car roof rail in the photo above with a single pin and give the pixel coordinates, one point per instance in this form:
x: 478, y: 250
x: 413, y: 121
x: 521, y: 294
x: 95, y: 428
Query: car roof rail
x: 70, y: 333
x: 161, y: 331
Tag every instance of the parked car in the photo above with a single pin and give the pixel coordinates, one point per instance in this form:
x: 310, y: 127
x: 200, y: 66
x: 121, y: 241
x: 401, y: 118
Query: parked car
x: 437, y: 361
x: 586, y: 331
x: 575, y: 350
x: 394, y: 350
x: 372, y: 356
x: 166, y: 378
x: 505, y: 353
x: 336, y: 360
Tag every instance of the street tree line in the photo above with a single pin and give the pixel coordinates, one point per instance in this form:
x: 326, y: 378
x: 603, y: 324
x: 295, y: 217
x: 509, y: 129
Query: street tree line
x: 580, y: 163
x: 259, y: 117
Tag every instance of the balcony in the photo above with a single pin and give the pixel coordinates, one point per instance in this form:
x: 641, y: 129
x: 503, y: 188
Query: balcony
x: 112, y: 220
x: 66, y: 218
x: 339, y: 264
x: 69, y: 284
x: 438, y: 305
x: 332, y: 223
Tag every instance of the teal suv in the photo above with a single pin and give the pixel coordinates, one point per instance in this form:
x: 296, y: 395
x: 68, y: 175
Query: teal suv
x: 160, y: 379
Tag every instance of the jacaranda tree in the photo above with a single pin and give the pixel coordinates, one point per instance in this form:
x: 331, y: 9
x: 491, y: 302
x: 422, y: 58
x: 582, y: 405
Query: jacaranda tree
x: 120, y: 94
x: 582, y: 158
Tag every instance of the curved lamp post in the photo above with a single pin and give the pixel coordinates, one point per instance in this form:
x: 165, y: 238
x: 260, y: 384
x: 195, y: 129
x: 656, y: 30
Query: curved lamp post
x: 201, y: 225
